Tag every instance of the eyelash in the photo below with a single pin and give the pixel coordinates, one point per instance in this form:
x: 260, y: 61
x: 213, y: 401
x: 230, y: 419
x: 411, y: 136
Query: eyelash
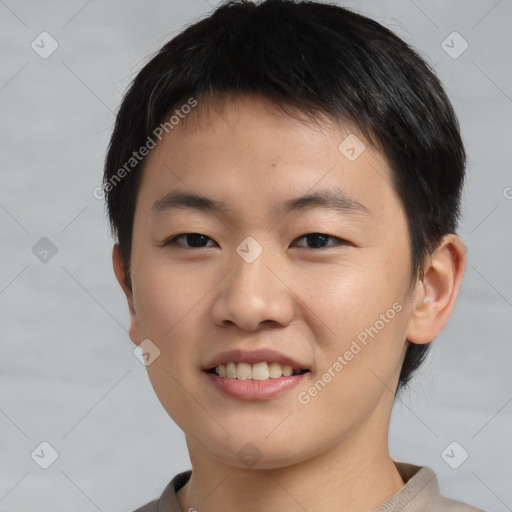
x: 172, y: 241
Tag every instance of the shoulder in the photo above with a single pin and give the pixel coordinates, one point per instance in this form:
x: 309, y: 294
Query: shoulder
x: 152, y: 506
x: 442, y: 504
x: 421, y: 493
x: 168, y: 502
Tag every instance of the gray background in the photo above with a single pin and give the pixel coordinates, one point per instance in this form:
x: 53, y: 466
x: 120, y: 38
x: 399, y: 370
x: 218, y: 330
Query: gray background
x: 68, y: 375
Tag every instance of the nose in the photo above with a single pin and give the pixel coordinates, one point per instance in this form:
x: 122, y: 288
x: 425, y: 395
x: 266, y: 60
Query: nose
x: 253, y: 294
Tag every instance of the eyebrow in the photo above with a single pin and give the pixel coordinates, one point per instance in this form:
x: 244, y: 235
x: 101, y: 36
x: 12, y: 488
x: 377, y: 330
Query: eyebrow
x: 329, y: 199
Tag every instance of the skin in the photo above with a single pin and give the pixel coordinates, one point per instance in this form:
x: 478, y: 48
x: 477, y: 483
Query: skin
x: 310, y: 303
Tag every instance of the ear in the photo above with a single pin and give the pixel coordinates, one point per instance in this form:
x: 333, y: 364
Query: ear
x: 434, y: 297
x: 120, y: 273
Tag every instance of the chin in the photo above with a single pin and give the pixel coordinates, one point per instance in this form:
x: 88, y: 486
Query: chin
x: 246, y: 451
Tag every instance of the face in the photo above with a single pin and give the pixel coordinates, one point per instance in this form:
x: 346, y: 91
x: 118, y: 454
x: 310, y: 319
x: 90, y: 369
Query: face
x: 321, y: 283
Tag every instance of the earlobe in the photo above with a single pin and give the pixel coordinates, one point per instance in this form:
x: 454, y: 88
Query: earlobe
x: 120, y: 273
x: 434, y: 298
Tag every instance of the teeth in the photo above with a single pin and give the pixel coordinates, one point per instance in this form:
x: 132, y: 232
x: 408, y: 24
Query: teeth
x: 243, y: 371
x: 258, y: 371
x: 287, y: 371
x: 230, y: 370
x: 275, y: 370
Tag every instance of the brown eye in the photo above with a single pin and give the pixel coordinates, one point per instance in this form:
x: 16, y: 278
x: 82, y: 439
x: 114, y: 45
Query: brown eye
x: 195, y: 240
x: 320, y: 240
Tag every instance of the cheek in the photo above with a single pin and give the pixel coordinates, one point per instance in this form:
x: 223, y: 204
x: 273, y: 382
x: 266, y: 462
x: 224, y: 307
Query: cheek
x: 360, y: 314
x: 172, y: 390
x: 170, y: 313
x: 165, y: 296
x: 351, y: 296
x: 358, y: 360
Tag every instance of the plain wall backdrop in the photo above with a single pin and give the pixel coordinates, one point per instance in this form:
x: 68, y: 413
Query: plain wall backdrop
x: 68, y: 374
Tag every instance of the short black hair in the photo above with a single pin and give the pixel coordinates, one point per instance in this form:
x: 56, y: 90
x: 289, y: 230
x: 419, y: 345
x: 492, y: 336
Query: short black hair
x: 315, y: 58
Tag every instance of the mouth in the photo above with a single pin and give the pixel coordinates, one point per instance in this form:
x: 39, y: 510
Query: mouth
x: 261, y: 371
x: 260, y: 374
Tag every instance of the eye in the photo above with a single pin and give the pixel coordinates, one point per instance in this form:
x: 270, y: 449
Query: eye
x: 319, y: 240
x: 199, y: 241
x: 196, y: 240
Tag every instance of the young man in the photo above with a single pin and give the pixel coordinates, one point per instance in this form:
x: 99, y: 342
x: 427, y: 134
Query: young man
x: 283, y: 182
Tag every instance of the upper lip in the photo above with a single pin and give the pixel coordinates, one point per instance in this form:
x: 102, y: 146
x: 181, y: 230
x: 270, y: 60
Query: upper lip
x: 253, y: 357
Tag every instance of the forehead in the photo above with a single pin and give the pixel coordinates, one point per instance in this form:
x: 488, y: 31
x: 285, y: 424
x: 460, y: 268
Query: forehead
x: 240, y: 148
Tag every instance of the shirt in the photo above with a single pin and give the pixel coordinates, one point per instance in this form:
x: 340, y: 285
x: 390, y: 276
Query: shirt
x: 419, y: 494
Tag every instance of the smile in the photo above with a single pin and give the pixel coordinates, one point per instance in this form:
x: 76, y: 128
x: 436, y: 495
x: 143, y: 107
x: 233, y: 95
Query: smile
x: 259, y: 371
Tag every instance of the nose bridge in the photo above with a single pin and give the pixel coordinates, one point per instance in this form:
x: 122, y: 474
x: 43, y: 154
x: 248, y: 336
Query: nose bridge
x: 251, y: 270
x: 252, y: 293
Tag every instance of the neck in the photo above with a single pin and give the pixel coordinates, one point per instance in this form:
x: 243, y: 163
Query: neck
x: 355, y: 475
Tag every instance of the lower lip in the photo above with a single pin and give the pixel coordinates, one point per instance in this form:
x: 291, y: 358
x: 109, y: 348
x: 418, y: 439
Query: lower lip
x: 255, y: 389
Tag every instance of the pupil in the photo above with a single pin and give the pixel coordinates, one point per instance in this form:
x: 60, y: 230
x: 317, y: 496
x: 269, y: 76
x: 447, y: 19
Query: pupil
x: 317, y: 236
x: 194, y: 239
